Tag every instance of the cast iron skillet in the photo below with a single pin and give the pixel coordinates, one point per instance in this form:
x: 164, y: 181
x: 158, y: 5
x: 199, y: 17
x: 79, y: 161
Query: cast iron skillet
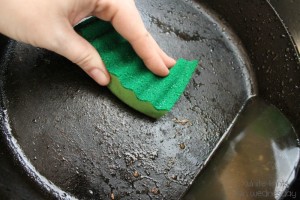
x: 74, y: 139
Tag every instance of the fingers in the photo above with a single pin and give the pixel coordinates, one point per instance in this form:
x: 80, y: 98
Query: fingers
x: 153, y: 56
x: 127, y: 21
x: 79, y: 51
x: 169, y: 62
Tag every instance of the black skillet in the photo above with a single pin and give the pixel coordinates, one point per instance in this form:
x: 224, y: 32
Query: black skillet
x: 73, y: 138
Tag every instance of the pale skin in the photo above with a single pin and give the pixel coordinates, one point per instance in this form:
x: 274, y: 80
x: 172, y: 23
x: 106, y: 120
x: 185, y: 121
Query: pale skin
x: 49, y: 24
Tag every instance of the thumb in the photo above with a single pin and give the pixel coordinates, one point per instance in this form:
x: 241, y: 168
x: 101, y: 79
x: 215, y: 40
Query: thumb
x: 82, y: 53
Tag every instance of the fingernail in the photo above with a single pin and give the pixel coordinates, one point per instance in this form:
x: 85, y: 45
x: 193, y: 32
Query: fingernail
x: 99, y: 76
x: 164, y: 71
x: 173, y: 62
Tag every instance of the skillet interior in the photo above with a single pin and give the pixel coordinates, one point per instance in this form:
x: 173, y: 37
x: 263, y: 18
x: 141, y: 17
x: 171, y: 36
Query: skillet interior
x: 273, y: 53
x: 78, y: 136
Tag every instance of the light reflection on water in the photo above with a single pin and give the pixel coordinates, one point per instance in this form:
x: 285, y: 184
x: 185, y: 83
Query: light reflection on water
x: 258, y: 159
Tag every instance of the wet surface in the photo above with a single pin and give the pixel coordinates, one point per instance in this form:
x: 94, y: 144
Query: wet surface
x: 289, y: 12
x: 257, y: 160
x: 66, y: 140
x: 13, y: 185
x: 80, y: 137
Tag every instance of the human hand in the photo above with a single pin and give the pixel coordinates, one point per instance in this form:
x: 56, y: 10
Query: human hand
x: 49, y: 24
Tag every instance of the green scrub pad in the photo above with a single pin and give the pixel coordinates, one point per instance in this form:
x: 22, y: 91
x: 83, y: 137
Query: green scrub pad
x: 131, y: 81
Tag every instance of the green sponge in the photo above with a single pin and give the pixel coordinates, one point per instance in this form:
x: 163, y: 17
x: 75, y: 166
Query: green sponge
x: 131, y: 81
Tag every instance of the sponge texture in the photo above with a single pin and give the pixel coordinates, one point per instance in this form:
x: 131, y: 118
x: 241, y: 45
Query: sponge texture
x: 131, y: 81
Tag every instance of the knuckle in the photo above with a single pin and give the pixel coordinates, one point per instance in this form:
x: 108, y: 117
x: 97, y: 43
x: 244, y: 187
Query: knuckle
x: 83, y: 60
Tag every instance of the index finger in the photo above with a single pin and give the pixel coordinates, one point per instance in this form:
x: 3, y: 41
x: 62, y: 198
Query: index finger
x: 126, y: 19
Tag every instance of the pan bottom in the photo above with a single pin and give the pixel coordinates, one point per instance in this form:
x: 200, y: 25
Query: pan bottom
x: 75, y: 134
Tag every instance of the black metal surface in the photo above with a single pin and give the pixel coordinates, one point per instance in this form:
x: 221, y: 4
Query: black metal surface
x: 289, y: 12
x: 80, y: 137
x: 272, y: 53
x: 13, y: 183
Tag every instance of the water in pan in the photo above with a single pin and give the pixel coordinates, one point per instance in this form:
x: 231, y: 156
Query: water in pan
x: 80, y: 137
x: 259, y: 159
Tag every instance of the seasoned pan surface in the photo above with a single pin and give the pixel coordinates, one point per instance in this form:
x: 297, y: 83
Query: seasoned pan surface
x: 75, y: 139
